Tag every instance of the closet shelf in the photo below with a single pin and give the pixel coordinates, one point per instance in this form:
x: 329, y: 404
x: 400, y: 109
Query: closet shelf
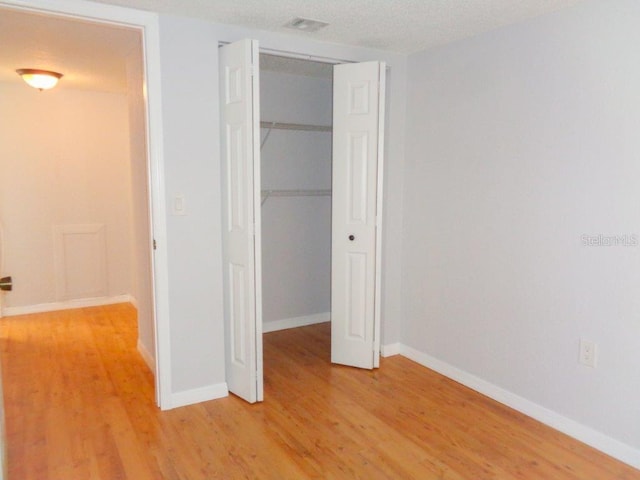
x: 296, y: 126
x: 292, y: 126
x: 294, y: 193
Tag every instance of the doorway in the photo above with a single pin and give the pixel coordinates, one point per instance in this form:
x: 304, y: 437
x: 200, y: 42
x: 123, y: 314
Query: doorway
x: 295, y: 154
x: 296, y: 99
x: 143, y: 119
x: 356, y: 212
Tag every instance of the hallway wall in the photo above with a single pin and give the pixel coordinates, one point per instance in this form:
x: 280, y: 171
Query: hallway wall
x: 64, y: 161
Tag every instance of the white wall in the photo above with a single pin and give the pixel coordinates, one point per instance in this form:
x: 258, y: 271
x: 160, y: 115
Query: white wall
x: 520, y: 141
x: 64, y: 160
x: 296, y: 231
x: 189, y: 57
x: 392, y: 232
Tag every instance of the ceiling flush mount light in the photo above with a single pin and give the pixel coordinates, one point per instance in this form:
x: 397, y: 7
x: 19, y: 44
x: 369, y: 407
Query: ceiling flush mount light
x: 40, y: 79
x: 305, y: 24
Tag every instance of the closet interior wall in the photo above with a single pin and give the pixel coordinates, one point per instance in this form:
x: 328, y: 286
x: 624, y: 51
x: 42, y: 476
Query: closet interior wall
x: 296, y: 226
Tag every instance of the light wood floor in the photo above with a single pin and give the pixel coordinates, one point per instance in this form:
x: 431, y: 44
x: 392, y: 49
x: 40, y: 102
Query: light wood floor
x: 79, y: 405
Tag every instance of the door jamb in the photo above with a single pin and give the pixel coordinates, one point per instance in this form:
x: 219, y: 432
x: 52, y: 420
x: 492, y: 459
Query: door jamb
x: 377, y: 304
x: 148, y: 25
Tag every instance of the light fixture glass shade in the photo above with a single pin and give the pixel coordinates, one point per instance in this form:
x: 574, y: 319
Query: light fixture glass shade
x: 40, y: 79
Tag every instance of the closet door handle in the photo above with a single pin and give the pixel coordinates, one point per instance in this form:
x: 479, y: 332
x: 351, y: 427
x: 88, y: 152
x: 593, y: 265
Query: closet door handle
x: 352, y: 237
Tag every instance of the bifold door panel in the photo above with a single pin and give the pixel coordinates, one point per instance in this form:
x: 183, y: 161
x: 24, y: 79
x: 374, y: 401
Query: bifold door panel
x: 357, y: 161
x: 239, y: 97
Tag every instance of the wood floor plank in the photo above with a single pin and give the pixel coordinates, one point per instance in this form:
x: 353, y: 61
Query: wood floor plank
x: 79, y: 404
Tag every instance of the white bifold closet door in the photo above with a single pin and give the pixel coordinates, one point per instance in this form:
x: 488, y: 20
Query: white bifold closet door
x: 358, y: 126
x: 240, y: 136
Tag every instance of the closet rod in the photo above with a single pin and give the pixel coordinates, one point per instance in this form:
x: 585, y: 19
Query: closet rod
x: 296, y: 126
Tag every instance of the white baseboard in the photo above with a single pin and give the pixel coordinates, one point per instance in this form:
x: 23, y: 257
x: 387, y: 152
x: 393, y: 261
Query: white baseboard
x: 133, y: 301
x: 391, y: 349
x: 147, y: 357
x: 294, y: 322
x: 66, y: 305
x: 623, y: 452
x: 197, y: 395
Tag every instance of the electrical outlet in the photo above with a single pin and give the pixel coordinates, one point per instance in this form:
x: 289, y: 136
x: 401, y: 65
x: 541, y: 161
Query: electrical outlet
x: 588, y: 350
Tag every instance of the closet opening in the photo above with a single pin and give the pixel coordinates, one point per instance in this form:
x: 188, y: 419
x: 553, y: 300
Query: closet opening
x: 303, y: 212
x: 296, y: 103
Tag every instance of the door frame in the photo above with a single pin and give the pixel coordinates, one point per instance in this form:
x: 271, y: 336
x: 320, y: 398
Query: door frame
x: 148, y: 25
x: 379, y: 201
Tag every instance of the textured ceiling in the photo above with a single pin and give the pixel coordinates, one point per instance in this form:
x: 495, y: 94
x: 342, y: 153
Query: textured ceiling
x: 90, y: 56
x: 93, y: 56
x: 404, y: 26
